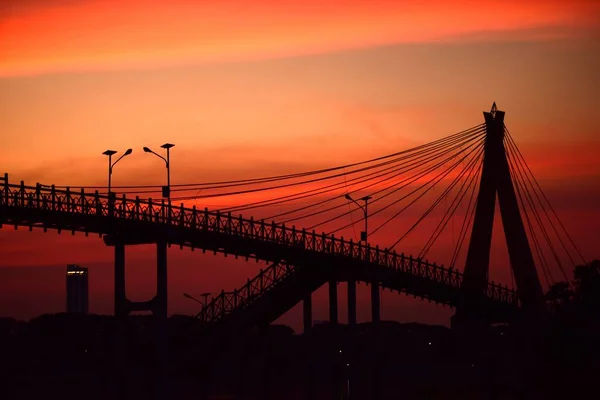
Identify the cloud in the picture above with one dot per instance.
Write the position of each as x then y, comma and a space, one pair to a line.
106, 34
567, 160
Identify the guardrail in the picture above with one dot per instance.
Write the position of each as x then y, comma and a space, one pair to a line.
226, 302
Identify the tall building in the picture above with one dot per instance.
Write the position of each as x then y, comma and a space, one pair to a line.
77, 289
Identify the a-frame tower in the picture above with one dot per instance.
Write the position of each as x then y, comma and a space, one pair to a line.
496, 178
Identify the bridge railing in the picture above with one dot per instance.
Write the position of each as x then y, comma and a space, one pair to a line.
227, 302
96, 204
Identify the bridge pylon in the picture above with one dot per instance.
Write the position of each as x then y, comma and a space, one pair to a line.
496, 180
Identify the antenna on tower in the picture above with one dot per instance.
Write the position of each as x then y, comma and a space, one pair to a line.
493, 110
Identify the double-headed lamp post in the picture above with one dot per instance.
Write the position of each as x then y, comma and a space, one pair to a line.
110, 153
166, 189
205, 295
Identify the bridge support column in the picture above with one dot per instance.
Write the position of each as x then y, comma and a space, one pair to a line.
376, 369
307, 312
333, 303
158, 304
121, 312
351, 302
120, 297
158, 307
375, 303
159, 310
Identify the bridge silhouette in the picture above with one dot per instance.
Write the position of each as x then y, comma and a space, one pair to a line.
303, 260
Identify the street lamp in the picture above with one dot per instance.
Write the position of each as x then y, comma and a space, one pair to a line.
166, 190
110, 153
205, 295
375, 297
363, 235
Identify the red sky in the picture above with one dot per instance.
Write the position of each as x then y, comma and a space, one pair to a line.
247, 89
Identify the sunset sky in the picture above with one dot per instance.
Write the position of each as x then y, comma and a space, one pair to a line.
255, 88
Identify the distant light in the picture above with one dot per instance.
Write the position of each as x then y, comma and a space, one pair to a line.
501, 333
76, 272
347, 365
430, 343
472, 365
340, 351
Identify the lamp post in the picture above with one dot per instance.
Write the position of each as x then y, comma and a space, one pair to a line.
375, 300
203, 304
166, 189
160, 306
110, 153
363, 235
205, 295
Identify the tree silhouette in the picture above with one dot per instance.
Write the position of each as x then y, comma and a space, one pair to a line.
582, 297
587, 286
559, 295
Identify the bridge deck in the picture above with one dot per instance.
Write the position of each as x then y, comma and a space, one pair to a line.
149, 221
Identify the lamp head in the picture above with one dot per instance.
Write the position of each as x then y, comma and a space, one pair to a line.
167, 146
109, 152
347, 196
366, 198
147, 150
128, 152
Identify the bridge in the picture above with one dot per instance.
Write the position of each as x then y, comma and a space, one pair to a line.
135, 221
302, 260
482, 164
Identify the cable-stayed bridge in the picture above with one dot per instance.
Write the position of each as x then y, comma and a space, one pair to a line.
296, 223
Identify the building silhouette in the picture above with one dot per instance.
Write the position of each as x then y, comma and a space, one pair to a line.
77, 289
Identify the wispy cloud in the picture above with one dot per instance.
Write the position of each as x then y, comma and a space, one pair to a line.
44, 37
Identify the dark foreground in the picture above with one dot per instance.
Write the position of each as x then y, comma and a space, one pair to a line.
71, 356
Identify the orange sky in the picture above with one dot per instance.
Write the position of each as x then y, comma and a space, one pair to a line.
98, 34
247, 89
